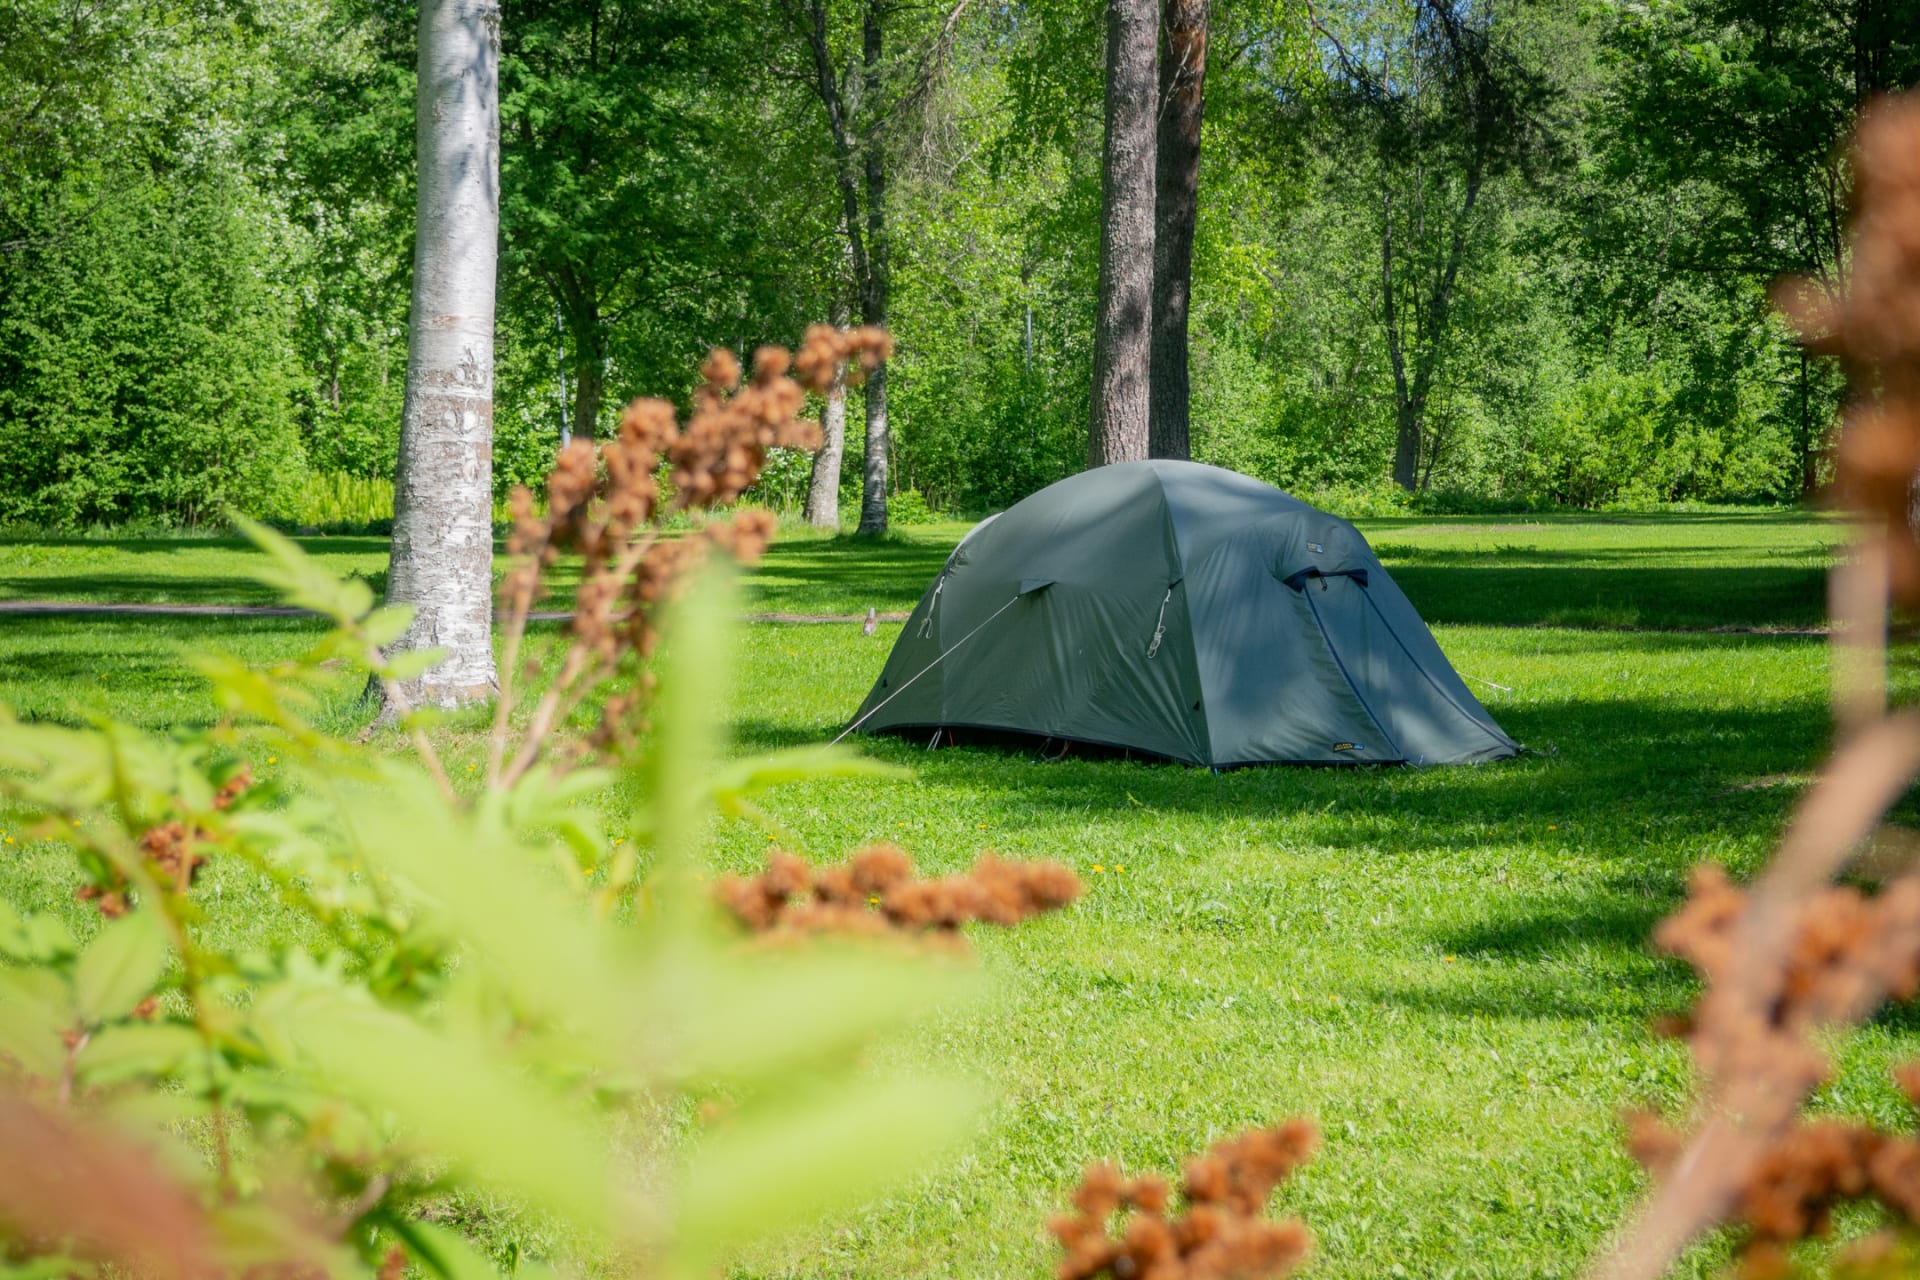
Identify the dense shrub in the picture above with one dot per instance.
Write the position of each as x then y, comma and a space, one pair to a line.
145, 363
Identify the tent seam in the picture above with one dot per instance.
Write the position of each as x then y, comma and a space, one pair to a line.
1339, 663
1186, 597
1500, 738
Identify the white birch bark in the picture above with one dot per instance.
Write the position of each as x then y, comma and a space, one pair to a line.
823, 486
443, 487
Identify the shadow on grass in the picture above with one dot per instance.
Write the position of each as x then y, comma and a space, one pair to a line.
1480, 591
64, 669
1603, 588
1517, 586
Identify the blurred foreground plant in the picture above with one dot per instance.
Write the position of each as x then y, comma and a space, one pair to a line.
478, 995
1792, 960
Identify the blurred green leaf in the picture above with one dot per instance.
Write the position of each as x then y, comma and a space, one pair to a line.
412, 663
385, 625
528, 932
744, 779
456, 1096
36, 1010
730, 1014
687, 716
445, 1253
49, 939
120, 966
303, 582
135, 1049
775, 1168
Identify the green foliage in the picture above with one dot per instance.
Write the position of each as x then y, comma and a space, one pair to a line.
474, 994
205, 240
144, 366
909, 506
341, 498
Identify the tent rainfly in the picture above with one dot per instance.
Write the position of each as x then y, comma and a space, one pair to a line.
1182, 611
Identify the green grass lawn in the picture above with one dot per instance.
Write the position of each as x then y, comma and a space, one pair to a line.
1738, 569
1446, 968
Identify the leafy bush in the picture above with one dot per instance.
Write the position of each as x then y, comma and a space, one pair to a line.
909, 506
145, 366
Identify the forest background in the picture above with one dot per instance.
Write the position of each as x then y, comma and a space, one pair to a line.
206, 222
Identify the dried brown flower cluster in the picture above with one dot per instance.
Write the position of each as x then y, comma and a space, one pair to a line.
1801, 1177
1850, 949
1220, 1234
1874, 328
876, 892
169, 850
1775, 1175
606, 503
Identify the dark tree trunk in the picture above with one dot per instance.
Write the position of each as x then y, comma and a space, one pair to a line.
1183, 73
1809, 441
1122, 344
1431, 315
589, 383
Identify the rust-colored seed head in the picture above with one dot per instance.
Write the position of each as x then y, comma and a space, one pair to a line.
1220, 1234
845, 897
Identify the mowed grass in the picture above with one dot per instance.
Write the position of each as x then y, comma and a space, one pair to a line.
1446, 968
1737, 569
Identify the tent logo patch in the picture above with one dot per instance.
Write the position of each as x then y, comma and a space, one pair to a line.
1316, 548
1347, 746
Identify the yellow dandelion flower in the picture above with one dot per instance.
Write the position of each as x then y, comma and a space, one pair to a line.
273, 759
1448, 959
9, 839
873, 899
1552, 827
1118, 868
981, 825
1098, 869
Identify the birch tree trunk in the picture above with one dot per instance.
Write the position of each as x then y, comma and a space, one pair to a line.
1183, 77
1117, 430
873, 484
823, 487
443, 484
879, 285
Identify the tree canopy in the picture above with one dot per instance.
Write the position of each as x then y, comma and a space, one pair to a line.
1506, 253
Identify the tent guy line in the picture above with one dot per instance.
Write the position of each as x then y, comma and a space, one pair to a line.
930, 666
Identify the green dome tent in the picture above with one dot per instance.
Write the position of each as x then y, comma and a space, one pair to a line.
1183, 611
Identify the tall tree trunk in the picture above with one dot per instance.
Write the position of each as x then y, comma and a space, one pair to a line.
1406, 415
1430, 330
443, 483
873, 485
878, 290
1122, 346
823, 486
1183, 74
589, 384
